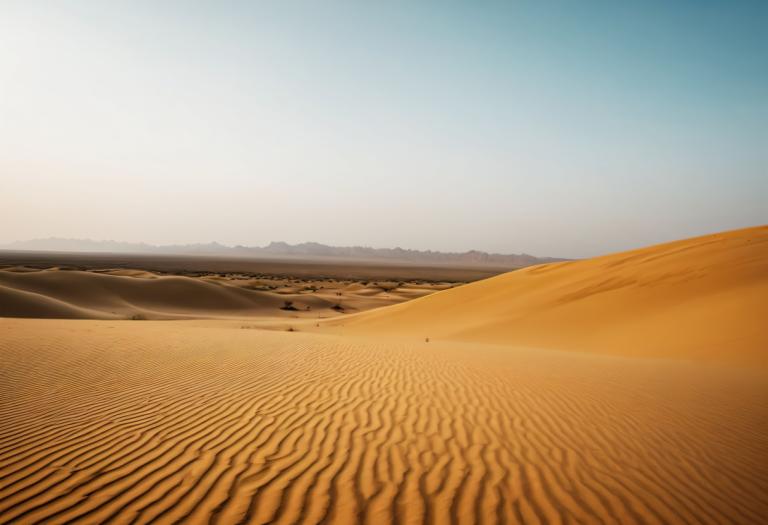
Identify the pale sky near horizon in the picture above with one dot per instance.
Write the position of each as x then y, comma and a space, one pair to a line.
567, 129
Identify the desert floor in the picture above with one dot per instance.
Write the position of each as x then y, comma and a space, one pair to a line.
483, 403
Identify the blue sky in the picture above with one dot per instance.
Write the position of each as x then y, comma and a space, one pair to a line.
567, 129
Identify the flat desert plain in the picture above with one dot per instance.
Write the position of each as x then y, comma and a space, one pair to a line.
629, 388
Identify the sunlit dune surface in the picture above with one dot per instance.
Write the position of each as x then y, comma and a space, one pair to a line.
103, 421
705, 297
616, 390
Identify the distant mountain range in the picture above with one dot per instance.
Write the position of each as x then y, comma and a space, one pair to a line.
282, 249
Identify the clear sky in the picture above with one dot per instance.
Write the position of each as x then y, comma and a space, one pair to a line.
554, 128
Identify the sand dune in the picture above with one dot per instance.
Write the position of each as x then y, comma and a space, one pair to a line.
203, 421
121, 294
98, 296
705, 297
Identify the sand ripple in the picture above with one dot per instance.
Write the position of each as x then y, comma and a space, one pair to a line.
130, 422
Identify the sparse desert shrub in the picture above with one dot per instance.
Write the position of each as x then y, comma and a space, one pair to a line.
337, 307
288, 305
138, 317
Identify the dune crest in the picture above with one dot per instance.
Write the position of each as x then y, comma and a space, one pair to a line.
705, 297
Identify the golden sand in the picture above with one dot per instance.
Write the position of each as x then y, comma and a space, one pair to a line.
362, 421
701, 298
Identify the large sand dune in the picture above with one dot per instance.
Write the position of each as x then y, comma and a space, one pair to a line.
705, 297
202, 421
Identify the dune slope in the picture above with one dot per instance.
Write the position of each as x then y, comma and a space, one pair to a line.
87, 295
705, 297
56, 293
203, 422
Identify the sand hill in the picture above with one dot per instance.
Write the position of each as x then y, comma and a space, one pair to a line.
203, 421
83, 295
131, 294
705, 297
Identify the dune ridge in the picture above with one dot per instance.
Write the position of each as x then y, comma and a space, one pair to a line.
705, 297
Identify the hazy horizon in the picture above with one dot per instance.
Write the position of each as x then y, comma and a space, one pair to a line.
19, 244
562, 130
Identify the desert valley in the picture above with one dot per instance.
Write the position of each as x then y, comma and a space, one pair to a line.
629, 388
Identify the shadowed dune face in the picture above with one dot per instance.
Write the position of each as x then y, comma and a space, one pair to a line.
111, 296
121, 294
204, 422
705, 297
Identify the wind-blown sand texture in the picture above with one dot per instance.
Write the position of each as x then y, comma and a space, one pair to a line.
200, 421
176, 421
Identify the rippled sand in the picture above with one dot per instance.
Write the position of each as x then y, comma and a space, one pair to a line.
631, 388
206, 422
